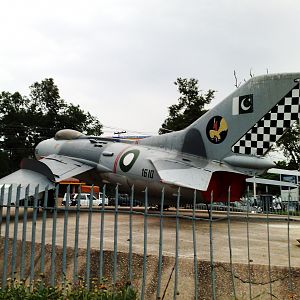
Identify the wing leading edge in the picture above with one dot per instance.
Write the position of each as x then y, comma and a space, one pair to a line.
44, 173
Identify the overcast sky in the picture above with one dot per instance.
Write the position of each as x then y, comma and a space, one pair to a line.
119, 59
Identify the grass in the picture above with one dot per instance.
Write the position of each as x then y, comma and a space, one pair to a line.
18, 290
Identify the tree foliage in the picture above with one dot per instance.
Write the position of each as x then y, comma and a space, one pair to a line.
190, 105
27, 120
290, 144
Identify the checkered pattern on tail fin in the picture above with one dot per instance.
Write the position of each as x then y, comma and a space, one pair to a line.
269, 129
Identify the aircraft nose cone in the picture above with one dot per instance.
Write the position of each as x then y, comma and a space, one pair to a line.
46, 148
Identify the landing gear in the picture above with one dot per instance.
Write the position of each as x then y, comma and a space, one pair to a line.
208, 210
165, 207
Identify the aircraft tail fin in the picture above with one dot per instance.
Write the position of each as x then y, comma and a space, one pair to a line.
249, 121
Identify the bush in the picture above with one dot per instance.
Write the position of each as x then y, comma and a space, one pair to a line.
17, 290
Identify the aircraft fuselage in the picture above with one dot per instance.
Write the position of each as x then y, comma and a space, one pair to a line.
130, 164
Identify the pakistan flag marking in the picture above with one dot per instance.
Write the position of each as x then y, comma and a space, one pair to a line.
128, 159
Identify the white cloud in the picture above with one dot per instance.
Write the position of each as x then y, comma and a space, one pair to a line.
119, 59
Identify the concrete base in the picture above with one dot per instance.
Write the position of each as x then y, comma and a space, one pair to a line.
259, 274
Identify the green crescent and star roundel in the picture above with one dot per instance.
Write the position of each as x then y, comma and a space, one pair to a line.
128, 159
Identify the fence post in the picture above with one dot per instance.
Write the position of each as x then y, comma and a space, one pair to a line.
101, 259
1, 205
6, 238
33, 231
160, 243
65, 237
116, 237
53, 249
145, 245
195, 246
269, 250
177, 245
229, 241
24, 233
290, 287
75, 273
43, 238
14, 247
248, 245
130, 235
88, 241
212, 266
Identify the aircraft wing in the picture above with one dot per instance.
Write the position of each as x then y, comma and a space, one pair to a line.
183, 175
24, 178
63, 167
46, 172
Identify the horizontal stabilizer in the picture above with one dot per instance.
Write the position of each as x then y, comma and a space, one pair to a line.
183, 175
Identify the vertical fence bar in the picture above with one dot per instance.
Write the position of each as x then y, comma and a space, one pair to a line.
88, 240
145, 245
65, 236
6, 239
269, 250
176, 246
75, 273
160, 249
212, 266
24, 232
116, 237
1, 205
53, 248
14, 246
130, 235
101, 262
43, 238
290, 286
195, 247
248, 246
33, 231
229, 241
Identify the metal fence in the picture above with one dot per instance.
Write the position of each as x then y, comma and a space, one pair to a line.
209, 251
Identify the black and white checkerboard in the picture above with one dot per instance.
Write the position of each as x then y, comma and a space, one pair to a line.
271, 127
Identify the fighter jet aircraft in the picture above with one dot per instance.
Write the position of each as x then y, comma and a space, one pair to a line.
218, 150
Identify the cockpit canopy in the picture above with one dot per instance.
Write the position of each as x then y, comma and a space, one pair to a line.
68, 134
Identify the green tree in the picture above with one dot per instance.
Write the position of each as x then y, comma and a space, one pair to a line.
290, 144
190, 105
25, 121
4, 164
